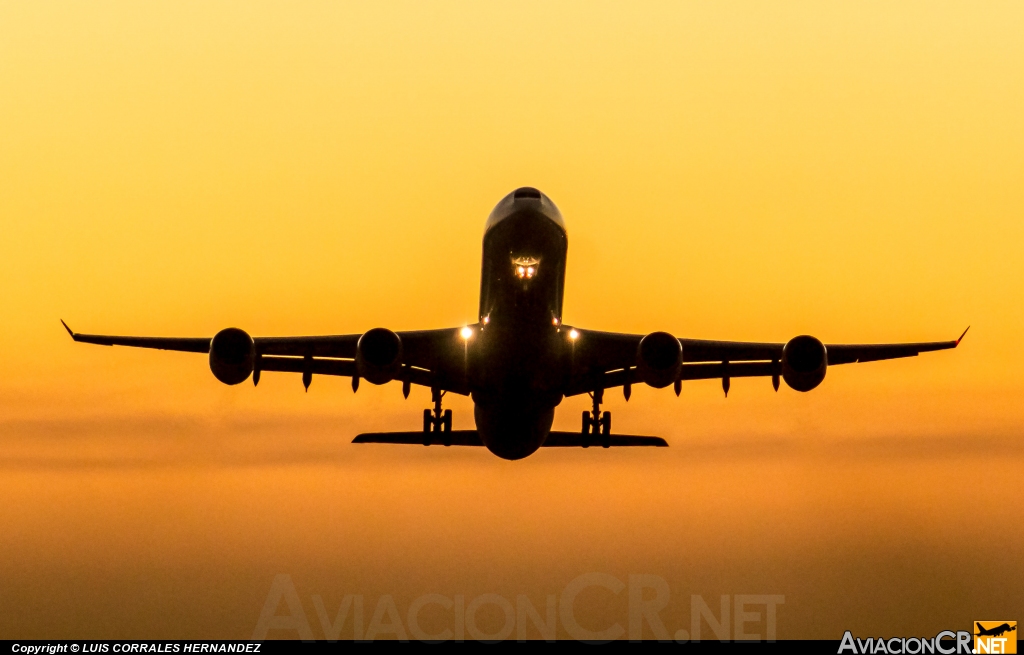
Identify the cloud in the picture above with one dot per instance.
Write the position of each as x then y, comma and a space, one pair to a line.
154, 441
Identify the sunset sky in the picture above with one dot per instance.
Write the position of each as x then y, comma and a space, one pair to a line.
730, 170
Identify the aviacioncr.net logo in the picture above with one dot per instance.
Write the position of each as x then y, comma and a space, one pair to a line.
946, 642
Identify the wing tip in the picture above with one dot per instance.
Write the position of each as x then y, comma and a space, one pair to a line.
70, 331
961, 337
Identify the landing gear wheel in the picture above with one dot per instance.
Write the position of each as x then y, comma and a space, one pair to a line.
586, 423
606, 429
435, 420
593, 423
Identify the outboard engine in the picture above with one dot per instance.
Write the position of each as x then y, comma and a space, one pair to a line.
804, 361
379, 355
658, 359
232, 353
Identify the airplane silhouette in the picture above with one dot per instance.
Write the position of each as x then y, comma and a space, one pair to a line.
993, 632
519, 360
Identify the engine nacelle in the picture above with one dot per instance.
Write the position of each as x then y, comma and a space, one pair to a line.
379, 355
804, 362
232, 353
658, 359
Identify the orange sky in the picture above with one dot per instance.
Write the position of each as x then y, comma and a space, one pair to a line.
727, 170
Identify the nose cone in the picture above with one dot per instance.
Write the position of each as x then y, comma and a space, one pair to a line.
525, 199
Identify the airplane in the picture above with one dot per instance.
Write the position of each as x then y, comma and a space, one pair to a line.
993, 632
519, 360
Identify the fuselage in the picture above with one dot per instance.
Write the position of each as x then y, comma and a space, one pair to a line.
518, 363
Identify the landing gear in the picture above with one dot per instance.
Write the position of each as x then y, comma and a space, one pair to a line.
437, 420
602, 426
595, 423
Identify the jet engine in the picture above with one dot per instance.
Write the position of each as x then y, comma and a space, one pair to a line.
231, 356
379, 355
658, 359
804, 361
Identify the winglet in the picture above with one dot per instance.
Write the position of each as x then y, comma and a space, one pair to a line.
957, 341
68, 329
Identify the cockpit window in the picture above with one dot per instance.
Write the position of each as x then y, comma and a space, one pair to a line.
526, 192
525, 267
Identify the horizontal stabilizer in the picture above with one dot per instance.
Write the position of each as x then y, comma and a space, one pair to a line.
472, 438
575, 439
453, 438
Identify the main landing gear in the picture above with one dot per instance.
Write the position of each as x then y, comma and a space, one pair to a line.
594, 422
435, 420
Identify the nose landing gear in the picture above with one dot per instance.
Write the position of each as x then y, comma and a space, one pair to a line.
595, 423
436, 420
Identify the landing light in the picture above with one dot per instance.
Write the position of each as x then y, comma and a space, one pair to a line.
466, 332
573, 334
525, 267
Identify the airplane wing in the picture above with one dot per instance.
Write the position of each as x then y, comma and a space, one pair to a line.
431, 358
602, 360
